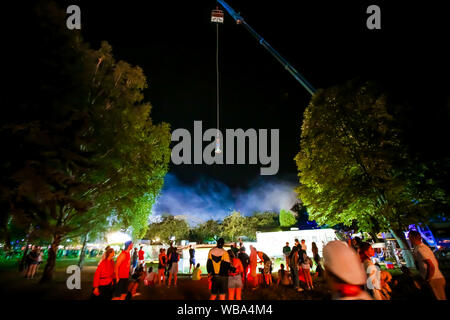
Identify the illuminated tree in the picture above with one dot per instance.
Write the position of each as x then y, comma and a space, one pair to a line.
353, 164
287, 218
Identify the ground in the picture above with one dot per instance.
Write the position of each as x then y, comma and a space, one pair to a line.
14, 285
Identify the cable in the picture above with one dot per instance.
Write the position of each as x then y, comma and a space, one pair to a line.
217, 75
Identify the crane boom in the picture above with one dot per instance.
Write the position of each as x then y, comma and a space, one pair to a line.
239, 20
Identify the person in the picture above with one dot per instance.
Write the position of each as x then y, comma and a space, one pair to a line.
104, 277
218, 265
317, 260
241, 244
235, 277
122, 272
303, 245
141, 256
356, 242
427, 265
150, 279
191, 258
245, 260
173, 258
196, 273
267, 270
283, 277
297, 243
138, 276
40, 258
306, 268
293, 261
286, 252
162, 264
169, 264
135, 259
235, 249
253, 264
104, 254
366, 252
344, 272
385, 288
33, 257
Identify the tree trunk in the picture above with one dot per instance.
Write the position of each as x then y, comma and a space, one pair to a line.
47, 276
83, 252
24, 256
406, 250
374, 236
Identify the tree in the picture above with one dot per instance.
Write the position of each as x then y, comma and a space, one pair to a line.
169, 227
353, 164
287, 218
82, 146
234, 225
263, 222
210, 230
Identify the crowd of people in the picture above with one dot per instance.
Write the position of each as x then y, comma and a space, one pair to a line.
348, 269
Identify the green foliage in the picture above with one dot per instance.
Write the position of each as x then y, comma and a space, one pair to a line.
287, 218
83, 153
353, 164
208, 231
234, 225
170, 226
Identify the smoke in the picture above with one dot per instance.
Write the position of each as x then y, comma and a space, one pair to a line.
212, 199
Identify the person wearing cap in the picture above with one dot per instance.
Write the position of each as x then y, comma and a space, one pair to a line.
122, 272
218, 266
344, 272
427, 265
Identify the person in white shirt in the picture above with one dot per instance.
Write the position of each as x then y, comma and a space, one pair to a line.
151, 277
427, 265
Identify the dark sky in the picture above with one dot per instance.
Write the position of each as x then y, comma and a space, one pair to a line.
327, 41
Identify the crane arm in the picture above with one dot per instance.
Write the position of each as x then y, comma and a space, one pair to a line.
239, 20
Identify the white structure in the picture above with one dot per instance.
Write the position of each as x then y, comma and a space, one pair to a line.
272, 243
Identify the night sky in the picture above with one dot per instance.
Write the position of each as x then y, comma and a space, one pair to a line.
326, 41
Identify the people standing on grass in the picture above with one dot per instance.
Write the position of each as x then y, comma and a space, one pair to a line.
197, 273
317, 260
122, 272
303, 244
162, 264
235, 277
33, 257
286, 252
141, 256
191, 258
134, 260
245, 260
306, 269
427, 265
169, 251
40, 258
253, 265
366, 252
218, 265
267, 270
344, 272
173, 258
104, 277
283, 277
293, 265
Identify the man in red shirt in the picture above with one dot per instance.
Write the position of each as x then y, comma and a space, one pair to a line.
122, 271
141, 255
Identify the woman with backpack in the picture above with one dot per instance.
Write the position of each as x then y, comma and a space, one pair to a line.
173, 258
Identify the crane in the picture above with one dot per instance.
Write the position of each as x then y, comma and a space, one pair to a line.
239, 20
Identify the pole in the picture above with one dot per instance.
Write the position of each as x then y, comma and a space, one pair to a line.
239, 20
